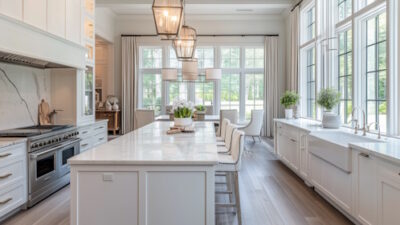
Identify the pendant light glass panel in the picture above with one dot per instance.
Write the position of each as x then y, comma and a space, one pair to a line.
168, 16
185, 44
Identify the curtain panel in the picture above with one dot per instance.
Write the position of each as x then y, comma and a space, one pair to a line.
293, 64
129, 83
271, 96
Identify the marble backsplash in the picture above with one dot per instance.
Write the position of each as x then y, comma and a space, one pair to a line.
21, 90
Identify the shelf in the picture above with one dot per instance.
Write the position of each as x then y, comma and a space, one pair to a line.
89, 7
89, 28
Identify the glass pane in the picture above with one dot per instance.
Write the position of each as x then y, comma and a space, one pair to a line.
349, 110
349, 87
349, 6
382, 27
371, 112
341, 43
382, 55
371, 58
382, 85
230, 57
341, 11
341, 65
349, 40
349, 64
371, 34
254, 93
382, 116
342, 88
152, 92
151, 57
371, 86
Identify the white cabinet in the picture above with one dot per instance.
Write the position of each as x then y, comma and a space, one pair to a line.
74, 21
13, 178
303, 154
11, 8
365, 187
35, 13
93, 135
388, 193
56, 17
288, 147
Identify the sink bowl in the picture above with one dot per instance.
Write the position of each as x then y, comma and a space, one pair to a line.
333, 147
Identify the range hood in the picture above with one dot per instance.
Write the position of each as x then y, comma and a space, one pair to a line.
24, 44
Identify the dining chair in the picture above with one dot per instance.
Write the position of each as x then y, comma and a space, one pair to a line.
253, 128
230, 114
143, 117
229, 166
209, 110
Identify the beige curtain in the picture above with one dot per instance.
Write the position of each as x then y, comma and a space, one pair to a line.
271, 99
129, 85
292, 81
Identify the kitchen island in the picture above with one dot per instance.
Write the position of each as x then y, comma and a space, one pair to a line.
147, 177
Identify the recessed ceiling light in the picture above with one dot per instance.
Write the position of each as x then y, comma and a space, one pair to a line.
244, 10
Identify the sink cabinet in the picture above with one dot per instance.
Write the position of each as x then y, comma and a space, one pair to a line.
288, 146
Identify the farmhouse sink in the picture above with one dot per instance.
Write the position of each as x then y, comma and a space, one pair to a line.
333, 147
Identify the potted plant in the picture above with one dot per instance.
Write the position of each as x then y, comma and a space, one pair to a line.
288, 100
328, 99
183, 111
200, 112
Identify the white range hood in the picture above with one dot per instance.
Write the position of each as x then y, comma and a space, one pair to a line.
23, 44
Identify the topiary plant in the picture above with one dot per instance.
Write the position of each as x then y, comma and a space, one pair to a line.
289, 99
328, 98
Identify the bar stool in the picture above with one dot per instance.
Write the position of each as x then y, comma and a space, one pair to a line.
225, 147
225, 122
229, 165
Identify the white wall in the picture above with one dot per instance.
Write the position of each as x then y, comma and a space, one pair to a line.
105, 23
205, 25
32, 84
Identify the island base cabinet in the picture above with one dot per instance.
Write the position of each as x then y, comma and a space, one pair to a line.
333, 182
388, 194
144, 195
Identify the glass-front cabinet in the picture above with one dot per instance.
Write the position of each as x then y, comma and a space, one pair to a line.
88, 101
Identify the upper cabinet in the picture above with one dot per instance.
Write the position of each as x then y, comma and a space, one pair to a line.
35, 13
11, 8
63, 18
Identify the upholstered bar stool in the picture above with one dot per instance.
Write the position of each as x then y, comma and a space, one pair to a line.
225, 147
143, 117
224, 123
229, 164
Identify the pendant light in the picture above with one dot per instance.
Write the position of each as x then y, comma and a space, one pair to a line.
190, 71
169, 74
185, 44
168, 17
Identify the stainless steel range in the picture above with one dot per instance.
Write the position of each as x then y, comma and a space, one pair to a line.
49, 148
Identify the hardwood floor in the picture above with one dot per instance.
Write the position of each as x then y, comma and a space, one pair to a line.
270, 194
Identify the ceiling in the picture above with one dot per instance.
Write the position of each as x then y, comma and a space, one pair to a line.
202, 7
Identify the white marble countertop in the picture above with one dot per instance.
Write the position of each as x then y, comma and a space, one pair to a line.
150, 145
5, 141
214, 118
388, 149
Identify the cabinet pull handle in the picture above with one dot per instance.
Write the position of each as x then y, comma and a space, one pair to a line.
364, 155
293, 140
84, 132
5, 155
5, 201
100, 139
99, 128
84, 145
5, 176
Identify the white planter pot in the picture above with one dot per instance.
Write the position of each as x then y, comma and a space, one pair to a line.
330, 120
183, 122
288, 113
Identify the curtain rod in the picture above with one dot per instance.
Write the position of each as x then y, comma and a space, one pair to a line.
296, 5
207, 35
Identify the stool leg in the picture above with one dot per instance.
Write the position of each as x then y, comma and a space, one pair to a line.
237, 198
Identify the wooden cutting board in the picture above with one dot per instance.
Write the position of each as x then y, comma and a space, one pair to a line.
44, 113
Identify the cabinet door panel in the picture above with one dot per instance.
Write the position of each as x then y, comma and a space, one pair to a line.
56, 17
11, 8
74, 21
388, 195
35, 13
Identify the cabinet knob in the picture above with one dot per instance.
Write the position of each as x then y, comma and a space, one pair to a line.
5, 155
364, 155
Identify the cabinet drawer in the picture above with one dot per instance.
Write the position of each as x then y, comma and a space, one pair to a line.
100, 128
11, 198
12, 172
10, 153
99, 139
288, 131
85, 132
86, 144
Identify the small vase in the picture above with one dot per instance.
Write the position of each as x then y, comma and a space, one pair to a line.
182, 122
288, 114
331, 120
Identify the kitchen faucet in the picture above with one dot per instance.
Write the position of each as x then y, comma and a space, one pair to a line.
356, 120
379, 128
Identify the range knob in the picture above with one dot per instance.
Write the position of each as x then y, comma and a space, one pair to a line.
40, 144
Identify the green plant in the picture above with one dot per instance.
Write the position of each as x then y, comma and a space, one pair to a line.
200, 108
183, 112
289, 99
328, 98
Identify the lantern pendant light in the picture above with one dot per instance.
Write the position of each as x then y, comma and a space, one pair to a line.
185, 44
168, 17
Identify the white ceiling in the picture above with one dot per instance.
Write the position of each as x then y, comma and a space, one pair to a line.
202, 7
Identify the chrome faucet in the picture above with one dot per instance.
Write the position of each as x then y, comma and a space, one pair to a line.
364, 128
379, 128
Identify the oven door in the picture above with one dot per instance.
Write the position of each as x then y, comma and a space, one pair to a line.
64, 154
44, 165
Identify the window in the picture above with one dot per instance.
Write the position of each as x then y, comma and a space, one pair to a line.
151, 57
311, 83
254, 58
344, 9
345, 75
230, 57
310, 26
376, 71
205, 57
230, 91
151, 86
204, 93
177, 90
254, 93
